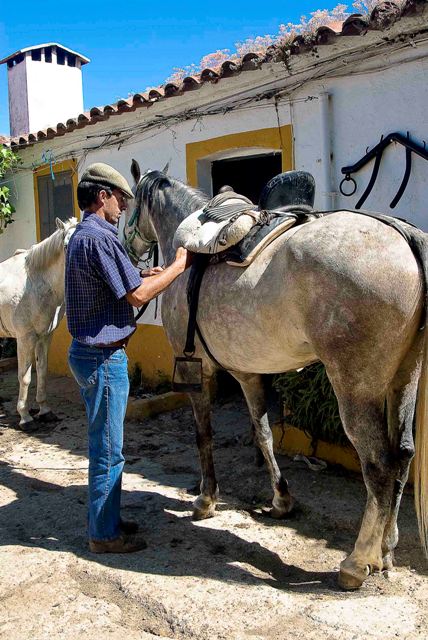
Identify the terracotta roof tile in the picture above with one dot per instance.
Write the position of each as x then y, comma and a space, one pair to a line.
383, 16
229, 68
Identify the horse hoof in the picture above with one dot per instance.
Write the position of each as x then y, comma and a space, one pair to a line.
47, 417
282, 507
352, 580
29, 426
203, 508
388, 562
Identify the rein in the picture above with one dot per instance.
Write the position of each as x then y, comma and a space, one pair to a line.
153, 251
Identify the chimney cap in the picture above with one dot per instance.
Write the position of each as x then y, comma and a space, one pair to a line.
83, 59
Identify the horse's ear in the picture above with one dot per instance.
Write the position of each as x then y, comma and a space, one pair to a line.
59, 224
165, 169
135, 171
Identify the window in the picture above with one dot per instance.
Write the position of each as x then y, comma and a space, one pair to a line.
60, 56
48, 54
71, 60
56, 200
36, 55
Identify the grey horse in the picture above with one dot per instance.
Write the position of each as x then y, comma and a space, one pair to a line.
345, 290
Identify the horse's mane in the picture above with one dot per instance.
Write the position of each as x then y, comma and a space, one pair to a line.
188, 198
40, 255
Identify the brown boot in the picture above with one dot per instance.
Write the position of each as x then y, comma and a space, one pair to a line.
124, 543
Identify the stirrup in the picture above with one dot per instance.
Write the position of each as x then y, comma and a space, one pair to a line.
187, 374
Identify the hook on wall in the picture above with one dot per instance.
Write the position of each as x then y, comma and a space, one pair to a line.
376, 152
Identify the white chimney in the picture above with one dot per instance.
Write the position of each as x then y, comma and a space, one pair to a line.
45, 87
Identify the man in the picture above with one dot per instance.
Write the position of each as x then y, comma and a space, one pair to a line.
101, 287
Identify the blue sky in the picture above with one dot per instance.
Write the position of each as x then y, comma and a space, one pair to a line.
133, 45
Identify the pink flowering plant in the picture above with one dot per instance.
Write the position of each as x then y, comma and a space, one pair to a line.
307, 27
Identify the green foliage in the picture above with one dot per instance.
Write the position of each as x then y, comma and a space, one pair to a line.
311, 404
8, 161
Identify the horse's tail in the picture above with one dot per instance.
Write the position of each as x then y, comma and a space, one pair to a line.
421, 445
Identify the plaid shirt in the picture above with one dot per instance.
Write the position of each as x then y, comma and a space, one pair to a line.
98, 275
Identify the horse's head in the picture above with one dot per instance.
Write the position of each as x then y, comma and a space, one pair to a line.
67, 228
139, 231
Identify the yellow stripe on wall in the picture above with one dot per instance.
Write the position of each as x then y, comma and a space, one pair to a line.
148, 347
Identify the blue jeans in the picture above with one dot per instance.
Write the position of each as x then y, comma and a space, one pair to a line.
102, 375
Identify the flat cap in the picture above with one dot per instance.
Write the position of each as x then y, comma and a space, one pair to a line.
104, 174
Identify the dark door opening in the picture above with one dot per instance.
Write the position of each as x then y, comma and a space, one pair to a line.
247, 175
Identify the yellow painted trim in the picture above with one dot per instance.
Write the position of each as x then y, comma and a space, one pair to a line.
275, 138
148, 347
291, 441
44, 170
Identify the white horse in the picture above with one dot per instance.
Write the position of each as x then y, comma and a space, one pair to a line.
32, 306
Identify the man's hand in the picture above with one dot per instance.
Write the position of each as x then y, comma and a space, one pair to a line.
183, 258
151, 287
150, 272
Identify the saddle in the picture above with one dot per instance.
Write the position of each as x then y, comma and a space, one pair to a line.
232, 229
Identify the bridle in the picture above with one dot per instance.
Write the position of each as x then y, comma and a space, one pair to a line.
135, 232
153, 250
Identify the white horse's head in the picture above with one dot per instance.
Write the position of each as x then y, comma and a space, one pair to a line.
67, 227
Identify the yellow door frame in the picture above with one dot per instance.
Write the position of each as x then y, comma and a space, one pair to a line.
280, 138
45, 170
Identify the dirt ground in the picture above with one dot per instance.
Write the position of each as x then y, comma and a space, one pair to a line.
238, 575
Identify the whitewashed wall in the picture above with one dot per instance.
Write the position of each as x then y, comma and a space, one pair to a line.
362, 108
21, 234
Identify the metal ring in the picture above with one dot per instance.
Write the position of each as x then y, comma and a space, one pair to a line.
348, 178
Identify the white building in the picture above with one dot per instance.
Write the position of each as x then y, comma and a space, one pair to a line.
318, 107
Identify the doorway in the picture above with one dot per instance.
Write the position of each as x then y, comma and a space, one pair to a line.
247, 175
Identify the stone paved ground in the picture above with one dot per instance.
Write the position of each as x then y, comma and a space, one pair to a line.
235, 576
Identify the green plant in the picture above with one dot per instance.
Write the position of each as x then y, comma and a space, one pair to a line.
8, 161
310, 403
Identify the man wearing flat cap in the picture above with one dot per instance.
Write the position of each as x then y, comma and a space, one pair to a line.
101, 287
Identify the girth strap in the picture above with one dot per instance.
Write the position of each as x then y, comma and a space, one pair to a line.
197, 270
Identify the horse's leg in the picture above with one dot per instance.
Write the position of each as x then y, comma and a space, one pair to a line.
252, 387
401, 403
365, 424
41, 351
25, 352
205, 503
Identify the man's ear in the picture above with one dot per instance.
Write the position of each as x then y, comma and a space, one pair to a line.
102, 196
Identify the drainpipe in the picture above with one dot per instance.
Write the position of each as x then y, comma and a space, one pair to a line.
327, 195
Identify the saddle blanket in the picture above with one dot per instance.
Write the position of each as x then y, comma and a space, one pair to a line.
201, 234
